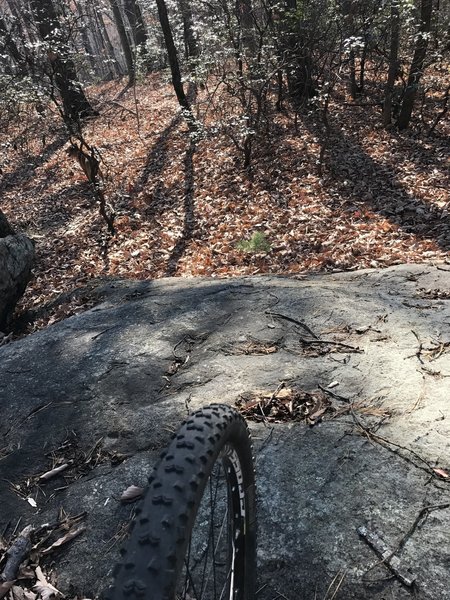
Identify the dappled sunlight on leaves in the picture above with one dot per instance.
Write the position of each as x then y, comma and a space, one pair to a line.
381, 200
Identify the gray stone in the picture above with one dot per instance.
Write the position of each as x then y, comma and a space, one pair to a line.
125, 373
5, 227
16, 261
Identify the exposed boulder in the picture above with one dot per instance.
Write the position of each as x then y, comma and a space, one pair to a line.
5, 227
103, 391
16, 261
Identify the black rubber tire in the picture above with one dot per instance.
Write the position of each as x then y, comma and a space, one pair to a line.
153, 559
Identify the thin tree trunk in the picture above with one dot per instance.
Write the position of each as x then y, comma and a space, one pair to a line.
109, 46
190, 40
19, 18
25, 34
416, 70
138, 29
108, 60
102, 52
353, 84
10, 44
244, 12
84, 31
348, 13
393, 64
362, 68
297, 54
173, 57
124, 41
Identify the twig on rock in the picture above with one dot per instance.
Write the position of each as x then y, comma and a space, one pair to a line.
292, 320
388, 557
16, 554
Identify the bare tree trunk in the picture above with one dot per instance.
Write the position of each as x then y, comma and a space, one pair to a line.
297, 53
393, 63
102, 52
416, 70
63, 73
173, 59
190, 40
108, 43
124, 41
348, 12
19, 17
362, 68
84, 31
244, 13
10, 45
105, 52
353, 84
138, 29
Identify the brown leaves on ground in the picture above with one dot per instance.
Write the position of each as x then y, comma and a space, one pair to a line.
285, 404
22, 577
183, 210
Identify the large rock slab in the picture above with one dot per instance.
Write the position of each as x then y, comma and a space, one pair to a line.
115, 382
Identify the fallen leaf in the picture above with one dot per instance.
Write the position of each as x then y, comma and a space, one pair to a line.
5, 586
43, 588
441, 473
131, 494
20, 593
70, 535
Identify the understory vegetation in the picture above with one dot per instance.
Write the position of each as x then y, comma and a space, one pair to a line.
220, 139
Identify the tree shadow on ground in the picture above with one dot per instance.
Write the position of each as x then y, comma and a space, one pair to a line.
189, 218
60, 208
415, 145
433, 152
157, 156
359, 178
25, 170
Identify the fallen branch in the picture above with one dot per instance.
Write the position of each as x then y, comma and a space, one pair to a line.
334, 395
389, 558
332, 343
54, 472
423, 514
388, 444
292, 320
16, 554
418, 353
335, 585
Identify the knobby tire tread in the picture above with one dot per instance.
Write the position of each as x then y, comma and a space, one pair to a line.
153, 557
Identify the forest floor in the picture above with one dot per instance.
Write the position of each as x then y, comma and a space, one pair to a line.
184, 209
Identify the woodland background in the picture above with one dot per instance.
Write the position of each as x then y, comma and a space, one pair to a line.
221, 138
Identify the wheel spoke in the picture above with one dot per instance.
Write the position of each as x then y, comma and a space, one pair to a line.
211, 573
204, 485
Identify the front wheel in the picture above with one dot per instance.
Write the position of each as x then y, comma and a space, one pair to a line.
194, 537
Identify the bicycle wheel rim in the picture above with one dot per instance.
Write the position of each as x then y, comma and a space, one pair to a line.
154, 558
218, 570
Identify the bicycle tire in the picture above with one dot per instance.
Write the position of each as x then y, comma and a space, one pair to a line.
155, 556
